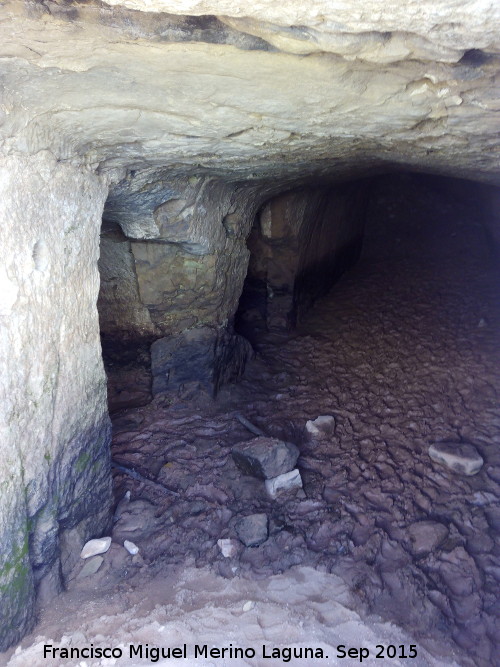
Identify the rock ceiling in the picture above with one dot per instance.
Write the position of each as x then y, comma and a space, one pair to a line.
253, 90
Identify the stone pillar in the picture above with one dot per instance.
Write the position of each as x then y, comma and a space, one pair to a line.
303, 241
174, 283
55, 487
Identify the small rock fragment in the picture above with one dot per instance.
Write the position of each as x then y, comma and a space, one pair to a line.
323, 425
90, 567
131, 547
253, 529
249, 605
286, 482
265, 457
426, 536
227, 547
458, 456
94, 547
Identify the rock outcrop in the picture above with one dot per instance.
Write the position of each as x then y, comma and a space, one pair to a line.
55, 487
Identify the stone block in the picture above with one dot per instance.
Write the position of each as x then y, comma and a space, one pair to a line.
289, 481
204, 355
265, 457
321, 426
460, 457
228, 547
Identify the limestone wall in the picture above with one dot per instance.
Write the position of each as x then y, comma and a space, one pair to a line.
54, 466
172, 269
182, 255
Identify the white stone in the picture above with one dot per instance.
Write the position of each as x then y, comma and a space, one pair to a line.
323, 425
97, 546
286, 482
131, 547
227, 547
249, 605
459, 457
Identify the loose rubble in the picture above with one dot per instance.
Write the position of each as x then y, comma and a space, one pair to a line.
227, 547
91, 566
426, 537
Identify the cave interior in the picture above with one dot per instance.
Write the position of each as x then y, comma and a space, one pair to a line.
249, 328
373, 301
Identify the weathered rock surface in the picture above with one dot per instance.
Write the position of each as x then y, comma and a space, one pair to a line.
253, 529
202, 356
458, 456
54, 470
265, 457
421, 75
195, 120
301, 242
91, 566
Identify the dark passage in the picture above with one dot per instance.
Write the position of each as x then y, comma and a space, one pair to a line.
403, 353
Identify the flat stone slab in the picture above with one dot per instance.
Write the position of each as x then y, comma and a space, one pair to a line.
460, 457
289, 481
265, 458
94, 547
253, 530
91, 566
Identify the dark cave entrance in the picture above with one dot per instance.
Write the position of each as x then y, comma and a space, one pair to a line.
301, 243
297, 257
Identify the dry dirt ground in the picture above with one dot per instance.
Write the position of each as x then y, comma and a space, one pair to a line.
404, 352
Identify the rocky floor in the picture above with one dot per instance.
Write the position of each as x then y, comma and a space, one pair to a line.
403, 353
417, 543
279, 618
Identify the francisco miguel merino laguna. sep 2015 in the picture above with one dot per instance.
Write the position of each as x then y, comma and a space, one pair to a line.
156, 653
